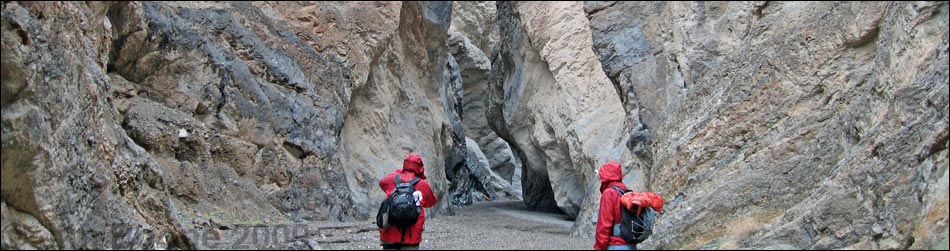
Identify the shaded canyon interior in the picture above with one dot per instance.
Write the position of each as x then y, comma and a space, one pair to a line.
794, 125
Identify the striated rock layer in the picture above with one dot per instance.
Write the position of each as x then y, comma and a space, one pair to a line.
787, 124
127, 125
473, 24
766, 125
550, 99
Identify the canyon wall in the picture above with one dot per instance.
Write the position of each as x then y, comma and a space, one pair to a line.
793, 125
127, 124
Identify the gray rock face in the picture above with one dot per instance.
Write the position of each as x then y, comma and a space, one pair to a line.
475, 66
765, 125
551, 101
476, 20
775, 124
409, 104
489, 184
71, 177
126, 125
241, 91
648, 82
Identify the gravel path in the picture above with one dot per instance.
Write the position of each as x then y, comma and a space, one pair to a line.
501, 225
484, 225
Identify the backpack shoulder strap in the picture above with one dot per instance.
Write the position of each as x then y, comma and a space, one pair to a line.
618, 219
397, 179
618, 190
414, 181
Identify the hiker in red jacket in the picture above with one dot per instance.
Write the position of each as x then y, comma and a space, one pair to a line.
391, 237
609, 214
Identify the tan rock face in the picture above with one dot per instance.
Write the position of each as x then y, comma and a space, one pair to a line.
476, 20
552, 102
787, 125
71, 177
127, 125
475, 66
794, 125
23, 230
403, 108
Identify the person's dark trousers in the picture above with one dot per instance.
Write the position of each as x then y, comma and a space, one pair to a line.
397, 246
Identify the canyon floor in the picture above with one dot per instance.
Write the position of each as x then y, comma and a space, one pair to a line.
483, 225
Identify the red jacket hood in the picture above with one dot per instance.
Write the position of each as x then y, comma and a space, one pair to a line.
610, 173
413, 164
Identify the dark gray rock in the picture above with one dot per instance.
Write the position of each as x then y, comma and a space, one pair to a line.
767, 125
475, 66
71, 177
504, 83
128, 125
782, 124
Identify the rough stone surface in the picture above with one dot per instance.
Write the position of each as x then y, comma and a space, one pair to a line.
127, 125
476, 20
550, 99
71, 177
765, 125
787, 124
475, 66
489, 184
21, 230
404, 107
471, 36
263, 104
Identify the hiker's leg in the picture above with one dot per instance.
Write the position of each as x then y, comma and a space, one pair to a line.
410, 247
389, 246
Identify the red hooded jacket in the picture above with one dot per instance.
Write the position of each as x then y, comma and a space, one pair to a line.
609, 214
411, 167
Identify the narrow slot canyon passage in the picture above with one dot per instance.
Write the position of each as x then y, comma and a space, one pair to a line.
264, 125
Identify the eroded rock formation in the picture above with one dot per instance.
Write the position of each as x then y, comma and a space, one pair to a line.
127, 124
764, 124
787, 124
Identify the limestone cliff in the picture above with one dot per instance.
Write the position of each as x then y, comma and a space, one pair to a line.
787, 124
125, 125
793, 125
764, 124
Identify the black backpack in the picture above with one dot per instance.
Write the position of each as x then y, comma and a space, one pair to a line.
400, 208
634, 228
